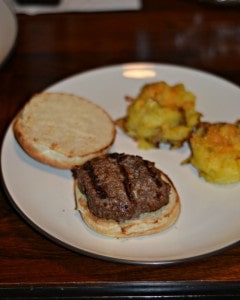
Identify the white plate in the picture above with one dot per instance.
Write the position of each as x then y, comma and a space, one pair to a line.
8, 30
209, 219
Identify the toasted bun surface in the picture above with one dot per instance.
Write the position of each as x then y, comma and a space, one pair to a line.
146, 224
63, 130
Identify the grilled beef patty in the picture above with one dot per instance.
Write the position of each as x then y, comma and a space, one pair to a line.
121, 186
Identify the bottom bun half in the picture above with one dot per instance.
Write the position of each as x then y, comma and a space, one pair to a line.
145, 224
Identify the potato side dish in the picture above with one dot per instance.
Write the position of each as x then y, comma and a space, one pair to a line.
216, 152
161, 114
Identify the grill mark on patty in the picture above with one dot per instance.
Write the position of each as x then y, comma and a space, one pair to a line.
127, 181
153, 173
123, 170
95, 180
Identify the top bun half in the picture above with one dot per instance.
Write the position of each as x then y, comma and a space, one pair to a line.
63, 130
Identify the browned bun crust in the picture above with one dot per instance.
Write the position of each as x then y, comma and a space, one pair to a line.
145, 224
63, 130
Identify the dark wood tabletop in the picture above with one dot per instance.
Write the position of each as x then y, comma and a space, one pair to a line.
52, 47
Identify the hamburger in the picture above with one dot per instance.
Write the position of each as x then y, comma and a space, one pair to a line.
122, 195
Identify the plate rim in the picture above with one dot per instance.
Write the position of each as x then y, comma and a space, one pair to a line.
143, 63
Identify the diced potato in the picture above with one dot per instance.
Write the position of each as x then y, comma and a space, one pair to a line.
161, 114
216, 152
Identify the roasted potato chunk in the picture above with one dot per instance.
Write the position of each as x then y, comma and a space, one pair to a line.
161, 114
216, 152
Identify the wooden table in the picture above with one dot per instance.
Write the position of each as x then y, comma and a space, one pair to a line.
52, 47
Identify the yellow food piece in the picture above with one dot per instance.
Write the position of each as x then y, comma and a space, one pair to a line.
161, 114
216, 152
